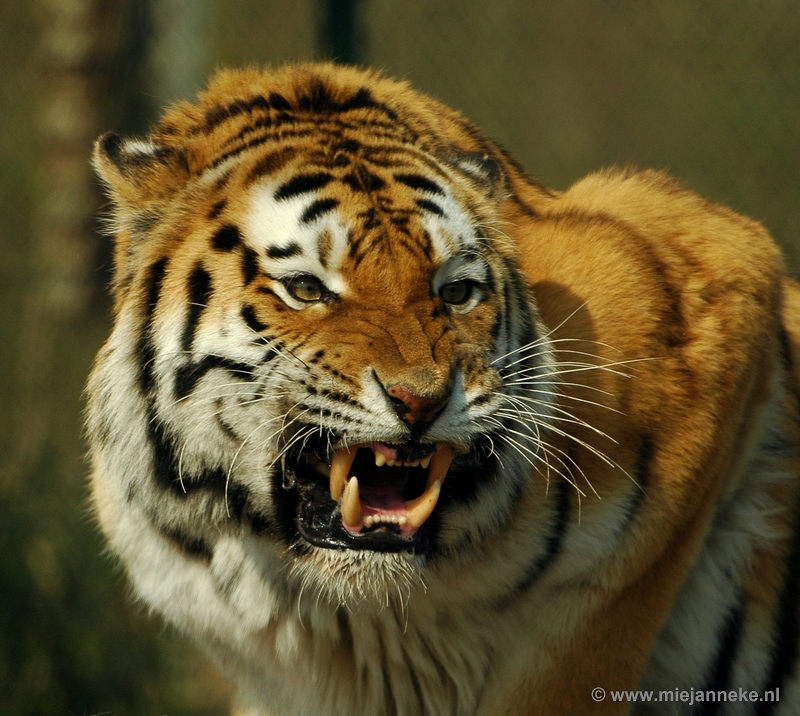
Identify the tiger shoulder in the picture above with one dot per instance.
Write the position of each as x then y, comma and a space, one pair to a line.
388, 427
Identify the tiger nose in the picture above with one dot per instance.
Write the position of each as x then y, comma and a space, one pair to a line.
413, 408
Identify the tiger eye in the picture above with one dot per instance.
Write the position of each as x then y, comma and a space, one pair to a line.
456, 293
305, 288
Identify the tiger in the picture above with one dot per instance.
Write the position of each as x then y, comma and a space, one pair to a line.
388, 427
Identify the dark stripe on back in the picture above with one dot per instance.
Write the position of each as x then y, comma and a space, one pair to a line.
553, 545
302, 184
227, 238
317, 209
719, 678
200, 291
284, 252
419, 182
786, 627
431, 206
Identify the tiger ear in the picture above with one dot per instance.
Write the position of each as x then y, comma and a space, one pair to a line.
481, 169
138, 172
140, 177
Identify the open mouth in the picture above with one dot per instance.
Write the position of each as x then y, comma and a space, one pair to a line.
371, 495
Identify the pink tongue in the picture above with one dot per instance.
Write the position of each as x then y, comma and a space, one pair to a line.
382, 496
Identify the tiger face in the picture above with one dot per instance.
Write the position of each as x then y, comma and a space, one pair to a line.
332, 333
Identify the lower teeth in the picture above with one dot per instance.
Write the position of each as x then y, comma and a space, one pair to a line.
371, 520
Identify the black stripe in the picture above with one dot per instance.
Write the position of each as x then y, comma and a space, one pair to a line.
319, 100
719, 677
371, 218
508, 310
250, 267
786, 350
165, 462
421, 183
227, 238
431, 206
183, 484
165, 471
302, 184
217, 209
284, 252
787, 628
317, 209
248, 313
200, 291
260, 523
192, 546
239, 150
271, 163
363, 99
363, 180
346, 145
644, 456
146, 349
218, 114
187, 376
278, 101
553, 545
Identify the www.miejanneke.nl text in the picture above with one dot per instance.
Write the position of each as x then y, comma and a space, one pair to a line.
688, 697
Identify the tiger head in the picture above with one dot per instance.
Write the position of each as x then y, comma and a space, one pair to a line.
321, 330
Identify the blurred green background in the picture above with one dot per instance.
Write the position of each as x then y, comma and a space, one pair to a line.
707, 90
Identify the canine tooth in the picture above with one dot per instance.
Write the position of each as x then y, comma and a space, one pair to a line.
351, 504
420, 509
425, 461
380, 459
440, 464
341, 463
